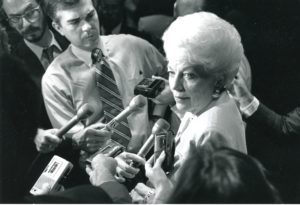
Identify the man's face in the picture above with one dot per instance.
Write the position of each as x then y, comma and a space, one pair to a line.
26, 17
79, 24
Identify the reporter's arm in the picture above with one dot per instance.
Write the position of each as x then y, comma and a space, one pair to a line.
279, 125
260, 115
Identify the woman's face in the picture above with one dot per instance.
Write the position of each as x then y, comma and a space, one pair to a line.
191, 89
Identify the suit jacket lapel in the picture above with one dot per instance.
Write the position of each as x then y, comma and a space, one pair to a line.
33, 66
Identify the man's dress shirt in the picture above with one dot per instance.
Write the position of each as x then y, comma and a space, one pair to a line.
69, 82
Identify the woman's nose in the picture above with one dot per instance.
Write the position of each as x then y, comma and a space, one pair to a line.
177, 84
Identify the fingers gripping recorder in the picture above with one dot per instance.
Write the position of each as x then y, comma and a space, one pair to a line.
58, 168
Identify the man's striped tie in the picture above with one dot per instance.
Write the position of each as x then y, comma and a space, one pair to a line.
110, 97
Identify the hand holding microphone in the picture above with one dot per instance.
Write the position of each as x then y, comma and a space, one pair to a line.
127, 162
46, 141
136, 103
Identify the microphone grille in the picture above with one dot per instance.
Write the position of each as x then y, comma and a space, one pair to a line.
84, 112
160, 125
138, 101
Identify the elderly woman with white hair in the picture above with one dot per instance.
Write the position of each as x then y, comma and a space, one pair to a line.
204, 53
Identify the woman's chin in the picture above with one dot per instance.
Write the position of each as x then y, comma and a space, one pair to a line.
182, 108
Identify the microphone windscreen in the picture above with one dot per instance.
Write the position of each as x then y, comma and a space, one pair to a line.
160, 125
138, 101
84, 112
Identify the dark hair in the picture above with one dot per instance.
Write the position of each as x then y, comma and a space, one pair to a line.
50, 7
222, 175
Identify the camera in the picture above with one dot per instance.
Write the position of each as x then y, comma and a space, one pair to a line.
149, 87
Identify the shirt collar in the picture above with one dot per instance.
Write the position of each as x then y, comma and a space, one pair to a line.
85, 56
38, 50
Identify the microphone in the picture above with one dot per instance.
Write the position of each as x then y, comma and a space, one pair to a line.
84, 112
137, 102
161, 126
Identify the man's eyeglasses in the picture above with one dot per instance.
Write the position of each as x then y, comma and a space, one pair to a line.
30, 15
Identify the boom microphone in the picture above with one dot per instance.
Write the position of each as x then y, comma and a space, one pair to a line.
84, 112
137, 102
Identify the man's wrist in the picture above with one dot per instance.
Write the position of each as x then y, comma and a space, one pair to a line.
104, 176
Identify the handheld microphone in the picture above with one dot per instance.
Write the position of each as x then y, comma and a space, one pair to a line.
84, 112
161, 125
137, 102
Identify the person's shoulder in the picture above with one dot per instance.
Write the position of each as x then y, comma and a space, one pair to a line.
224, 108
58, 65
61, 61
127, 41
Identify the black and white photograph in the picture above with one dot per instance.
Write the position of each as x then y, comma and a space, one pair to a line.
150, 101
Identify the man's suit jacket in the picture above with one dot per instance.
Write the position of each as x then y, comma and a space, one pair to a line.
19, 98
278, 125
108, 192
35, 70
85, 194
274, 139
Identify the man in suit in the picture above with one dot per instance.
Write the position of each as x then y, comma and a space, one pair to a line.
39, 46
27, 17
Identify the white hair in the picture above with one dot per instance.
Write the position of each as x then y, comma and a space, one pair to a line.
206, 41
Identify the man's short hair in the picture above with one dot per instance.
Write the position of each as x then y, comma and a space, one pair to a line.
50, 7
